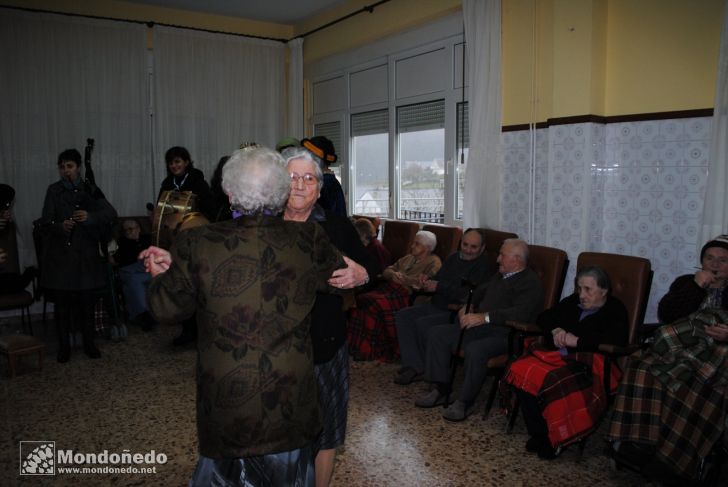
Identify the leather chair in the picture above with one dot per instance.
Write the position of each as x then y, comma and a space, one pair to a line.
493, 241
376, 221
448, 239
398, 237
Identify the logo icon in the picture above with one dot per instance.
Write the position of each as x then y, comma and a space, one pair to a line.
37, 458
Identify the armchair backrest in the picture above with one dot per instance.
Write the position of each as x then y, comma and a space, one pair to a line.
551, 265
493, 241
9, 243
448, 239
376, 221
631, 281
398, 237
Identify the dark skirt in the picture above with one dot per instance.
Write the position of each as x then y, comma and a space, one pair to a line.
291, 468
333, 383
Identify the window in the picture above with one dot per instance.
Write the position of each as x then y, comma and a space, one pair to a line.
421, 161
462, 143
370, 161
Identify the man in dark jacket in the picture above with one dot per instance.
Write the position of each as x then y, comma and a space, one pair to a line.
514, 293
450, 286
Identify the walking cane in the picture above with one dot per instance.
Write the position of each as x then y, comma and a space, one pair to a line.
454, 358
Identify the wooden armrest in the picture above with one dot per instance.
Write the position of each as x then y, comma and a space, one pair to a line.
618, 350
529, 328
454, 306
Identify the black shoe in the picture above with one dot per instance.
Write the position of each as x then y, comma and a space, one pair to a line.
546, 451
64, 355
183, 339
144, 321
534, 443
91, 351
408, 377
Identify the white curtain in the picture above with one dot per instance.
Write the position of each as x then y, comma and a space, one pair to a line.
715, 210
483, 173
65, 79
294, 122
211, 93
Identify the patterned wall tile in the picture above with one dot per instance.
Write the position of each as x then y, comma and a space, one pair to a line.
634, 188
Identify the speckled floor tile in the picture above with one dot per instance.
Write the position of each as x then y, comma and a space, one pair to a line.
140, 396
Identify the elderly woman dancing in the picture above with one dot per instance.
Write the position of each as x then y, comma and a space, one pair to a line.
670, 410
372, 331
328, 318
560, 385
252, 282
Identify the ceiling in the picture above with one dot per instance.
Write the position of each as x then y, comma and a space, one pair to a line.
278, 11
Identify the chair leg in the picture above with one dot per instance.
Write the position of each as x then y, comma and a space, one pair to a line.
513, 415
492, 394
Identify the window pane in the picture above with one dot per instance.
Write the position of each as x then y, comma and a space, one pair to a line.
371, 179
422, 175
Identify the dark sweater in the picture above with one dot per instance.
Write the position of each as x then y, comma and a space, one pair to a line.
683, 298
450, 287
608, 325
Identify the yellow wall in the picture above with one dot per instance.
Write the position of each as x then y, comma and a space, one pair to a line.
663, 55
608, 57
560, 57
387, 19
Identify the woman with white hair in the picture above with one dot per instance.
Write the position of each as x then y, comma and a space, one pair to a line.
372, 331
328, 318
252, 282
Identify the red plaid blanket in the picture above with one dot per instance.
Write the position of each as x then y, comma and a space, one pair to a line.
371, 330
570, 390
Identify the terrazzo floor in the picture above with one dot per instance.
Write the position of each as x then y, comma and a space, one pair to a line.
140, 396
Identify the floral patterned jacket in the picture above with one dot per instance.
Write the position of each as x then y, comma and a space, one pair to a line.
252, 282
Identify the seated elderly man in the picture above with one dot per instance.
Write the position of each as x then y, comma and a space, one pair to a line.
450, 286
134, 278
513, 293
252, 282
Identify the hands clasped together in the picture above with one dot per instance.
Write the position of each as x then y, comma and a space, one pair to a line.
157, 261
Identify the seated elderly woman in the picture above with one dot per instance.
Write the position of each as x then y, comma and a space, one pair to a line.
372, 333
559, 382
670, 409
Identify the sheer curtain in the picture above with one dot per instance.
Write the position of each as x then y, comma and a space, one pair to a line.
66, 79
483, 173
294, 122
211, 93
715, 210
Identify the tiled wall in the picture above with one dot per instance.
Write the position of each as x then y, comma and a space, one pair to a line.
632, 188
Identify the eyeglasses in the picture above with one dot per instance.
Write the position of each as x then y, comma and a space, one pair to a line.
308, 179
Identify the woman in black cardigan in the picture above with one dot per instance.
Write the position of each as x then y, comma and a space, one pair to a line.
560, 382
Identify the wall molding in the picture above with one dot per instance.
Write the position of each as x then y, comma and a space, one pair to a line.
636, 117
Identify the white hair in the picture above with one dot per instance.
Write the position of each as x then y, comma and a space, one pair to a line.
256, 180
428, 239
292, 153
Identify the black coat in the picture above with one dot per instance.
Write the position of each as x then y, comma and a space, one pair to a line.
328, 317
73, 262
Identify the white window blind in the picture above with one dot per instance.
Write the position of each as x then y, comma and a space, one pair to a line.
370, 123
422, 116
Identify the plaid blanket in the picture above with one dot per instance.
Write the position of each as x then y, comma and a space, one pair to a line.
570, 389
371, 331
674, 395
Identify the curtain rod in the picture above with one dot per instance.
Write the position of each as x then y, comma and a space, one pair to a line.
148, 23
367, 8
